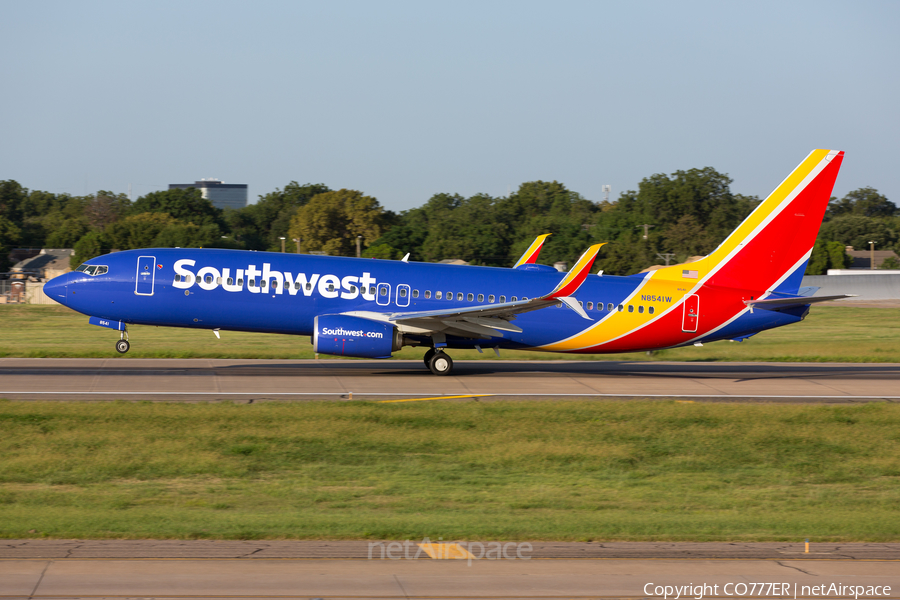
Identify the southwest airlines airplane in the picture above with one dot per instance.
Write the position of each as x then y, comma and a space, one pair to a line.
370, 308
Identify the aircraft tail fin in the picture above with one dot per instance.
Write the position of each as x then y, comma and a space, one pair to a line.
531, 255
768, 252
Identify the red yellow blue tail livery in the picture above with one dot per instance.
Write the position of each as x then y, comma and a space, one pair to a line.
372, 308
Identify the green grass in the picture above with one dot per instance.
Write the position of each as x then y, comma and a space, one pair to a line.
829, 334
584, 470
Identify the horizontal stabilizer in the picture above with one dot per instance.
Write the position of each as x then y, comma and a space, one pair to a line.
773, 303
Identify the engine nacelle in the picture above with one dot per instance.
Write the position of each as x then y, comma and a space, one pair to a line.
344, 335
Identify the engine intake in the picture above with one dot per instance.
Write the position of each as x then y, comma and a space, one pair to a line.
343, 335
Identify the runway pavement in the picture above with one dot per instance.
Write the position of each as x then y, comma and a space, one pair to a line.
260, 380
388, 579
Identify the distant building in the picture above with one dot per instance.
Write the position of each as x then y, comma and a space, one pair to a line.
862, 259
45, 265
221, 194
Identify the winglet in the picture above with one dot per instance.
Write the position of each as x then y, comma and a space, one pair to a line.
576, 276
531, 255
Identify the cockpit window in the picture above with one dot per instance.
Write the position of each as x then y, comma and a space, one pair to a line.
93, 270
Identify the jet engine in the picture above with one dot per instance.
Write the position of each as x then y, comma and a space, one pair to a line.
343, 335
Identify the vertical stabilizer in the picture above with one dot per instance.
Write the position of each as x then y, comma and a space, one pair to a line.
769, 250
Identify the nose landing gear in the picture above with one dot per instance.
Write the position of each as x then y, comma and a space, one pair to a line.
122, 345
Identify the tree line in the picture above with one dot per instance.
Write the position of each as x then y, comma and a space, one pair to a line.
677, 216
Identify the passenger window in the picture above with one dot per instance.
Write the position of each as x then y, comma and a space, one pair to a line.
352, 289
208, 279
609, 307
590, 306
650, 310
382, 291
263, 283
581, 304
524, 298
308, 286
641, 308
481, 297
459, 296
491, 298
415, 293
437, 295
218, 281
502, 299
241, 282
403, 292
514, 299
620, 308
231, 281
630, 308
428, 294
252, 283
470, 297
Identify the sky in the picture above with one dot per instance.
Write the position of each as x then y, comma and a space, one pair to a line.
404, 100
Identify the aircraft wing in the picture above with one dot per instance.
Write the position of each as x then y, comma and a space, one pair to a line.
485, 321
530, 256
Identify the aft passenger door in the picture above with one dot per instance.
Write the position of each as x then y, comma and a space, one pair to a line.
146, 276
691, 315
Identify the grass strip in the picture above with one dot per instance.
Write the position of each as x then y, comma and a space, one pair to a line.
829, 334
570, 470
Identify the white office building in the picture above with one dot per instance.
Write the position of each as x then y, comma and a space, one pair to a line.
221, 194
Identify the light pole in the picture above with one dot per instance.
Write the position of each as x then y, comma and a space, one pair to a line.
282, 244
358, 242
298, 244
666, 256
871, 255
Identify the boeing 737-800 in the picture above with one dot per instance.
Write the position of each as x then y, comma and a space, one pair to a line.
371, 308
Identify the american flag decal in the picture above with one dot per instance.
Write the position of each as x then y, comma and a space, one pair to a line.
689, 274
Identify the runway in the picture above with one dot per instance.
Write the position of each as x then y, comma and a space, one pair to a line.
785, 577
261, 380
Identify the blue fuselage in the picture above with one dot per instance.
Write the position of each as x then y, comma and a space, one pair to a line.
284, 293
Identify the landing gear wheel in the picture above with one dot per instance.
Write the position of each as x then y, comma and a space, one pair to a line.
122, 346
440, 364
428, 356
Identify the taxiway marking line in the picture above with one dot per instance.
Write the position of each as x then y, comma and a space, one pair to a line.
513, 394
435, 398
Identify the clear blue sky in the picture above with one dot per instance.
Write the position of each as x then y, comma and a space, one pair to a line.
403, 100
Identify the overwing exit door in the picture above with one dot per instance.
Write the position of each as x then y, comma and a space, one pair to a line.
146, 276
691, 313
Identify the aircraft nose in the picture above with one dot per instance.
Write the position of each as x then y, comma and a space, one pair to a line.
55, 289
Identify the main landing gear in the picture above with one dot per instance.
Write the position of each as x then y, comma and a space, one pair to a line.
122, 345
438, 362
